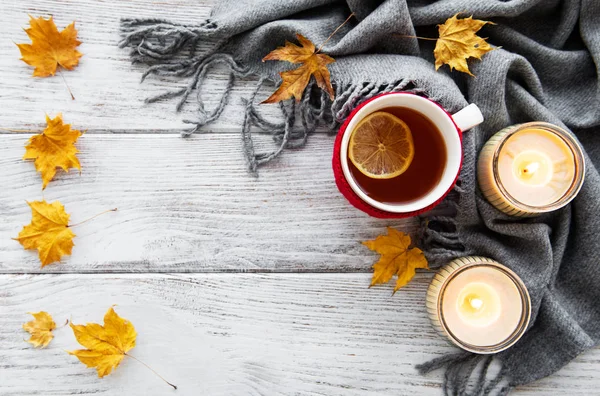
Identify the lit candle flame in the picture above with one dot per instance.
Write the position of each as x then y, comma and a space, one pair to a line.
531, 168
476, 303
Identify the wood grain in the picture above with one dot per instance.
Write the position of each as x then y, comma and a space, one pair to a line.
240, 334
189, 205
106, 86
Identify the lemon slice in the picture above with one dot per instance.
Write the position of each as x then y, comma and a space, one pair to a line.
381, 146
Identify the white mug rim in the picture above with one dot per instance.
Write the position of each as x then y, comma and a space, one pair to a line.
444, 123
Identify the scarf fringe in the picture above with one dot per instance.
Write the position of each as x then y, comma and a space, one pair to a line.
461, 367
439, 234
170, 50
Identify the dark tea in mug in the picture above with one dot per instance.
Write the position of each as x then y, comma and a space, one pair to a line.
424, 172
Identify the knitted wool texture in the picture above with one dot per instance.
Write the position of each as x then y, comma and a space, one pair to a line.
546, 70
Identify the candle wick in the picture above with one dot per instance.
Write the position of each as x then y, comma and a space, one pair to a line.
531, 168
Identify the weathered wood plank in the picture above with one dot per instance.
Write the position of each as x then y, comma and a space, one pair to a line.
105, 84
189, 205
234, 334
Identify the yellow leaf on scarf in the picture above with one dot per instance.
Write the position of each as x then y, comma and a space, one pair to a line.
48, 231
458, 42
53, 148
40, 329
106, 345
396, 258
50, 48
294, 82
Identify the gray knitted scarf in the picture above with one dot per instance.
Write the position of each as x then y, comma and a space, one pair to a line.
546, 70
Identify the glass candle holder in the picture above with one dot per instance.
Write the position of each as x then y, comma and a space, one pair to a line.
532, 168
479, 305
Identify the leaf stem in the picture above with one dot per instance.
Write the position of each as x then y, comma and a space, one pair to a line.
334, 32
417, 37
65, 81
60, 327
91, 218
151, 369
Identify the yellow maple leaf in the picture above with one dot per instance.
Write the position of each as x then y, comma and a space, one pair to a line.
313, 63
48, 231
53, 148
40, 329
106, 345
50, 48
396, 258
458, 42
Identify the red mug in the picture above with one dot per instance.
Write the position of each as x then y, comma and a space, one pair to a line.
450, 126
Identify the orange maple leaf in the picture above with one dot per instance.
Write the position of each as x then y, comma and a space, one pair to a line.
294, 82
107, 345
48, 231
40, 329
396, 258
50, 48
458, 42
53, 148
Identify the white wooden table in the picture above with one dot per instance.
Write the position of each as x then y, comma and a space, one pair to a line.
236, 285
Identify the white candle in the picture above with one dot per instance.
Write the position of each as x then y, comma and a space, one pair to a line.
478, 304
530, 168
475, 300
536, 167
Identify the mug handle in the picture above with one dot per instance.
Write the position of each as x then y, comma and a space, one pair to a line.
468, 117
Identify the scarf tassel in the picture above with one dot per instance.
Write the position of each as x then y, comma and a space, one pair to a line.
179, 51
461, 368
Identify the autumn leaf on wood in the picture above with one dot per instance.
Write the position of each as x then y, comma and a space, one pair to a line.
40, 329
48, 231
312, 63
458, 42
53, 148
50, 48
396, 258
106, 345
